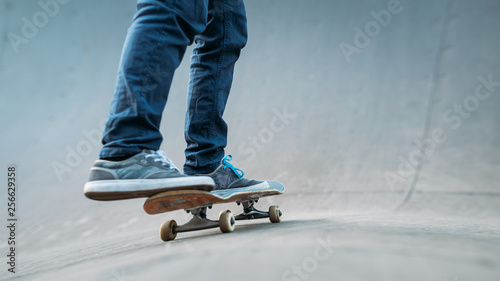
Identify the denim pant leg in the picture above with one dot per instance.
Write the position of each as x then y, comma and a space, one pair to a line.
153, 49
211, 75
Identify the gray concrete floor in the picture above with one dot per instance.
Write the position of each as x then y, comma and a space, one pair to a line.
390, 153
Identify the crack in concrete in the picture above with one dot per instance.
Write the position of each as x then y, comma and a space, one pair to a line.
432, 96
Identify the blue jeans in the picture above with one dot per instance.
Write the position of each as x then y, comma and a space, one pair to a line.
155, 44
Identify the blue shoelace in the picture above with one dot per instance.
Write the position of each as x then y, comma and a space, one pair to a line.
239, 173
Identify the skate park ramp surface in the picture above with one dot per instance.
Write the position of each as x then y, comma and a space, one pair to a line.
380, 117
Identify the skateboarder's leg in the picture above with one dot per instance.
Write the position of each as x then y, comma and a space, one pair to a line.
153, 49
212, 64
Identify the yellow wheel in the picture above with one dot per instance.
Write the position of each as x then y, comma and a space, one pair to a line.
274, 214
167, 230
226, 221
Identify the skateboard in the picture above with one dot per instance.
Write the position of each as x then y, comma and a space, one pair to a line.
196, 202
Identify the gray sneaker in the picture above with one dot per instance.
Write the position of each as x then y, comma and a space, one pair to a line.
142, 175
226, 176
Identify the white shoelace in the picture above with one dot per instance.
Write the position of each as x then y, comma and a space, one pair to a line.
161, 156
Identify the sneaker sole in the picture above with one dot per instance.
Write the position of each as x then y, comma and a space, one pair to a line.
107, 190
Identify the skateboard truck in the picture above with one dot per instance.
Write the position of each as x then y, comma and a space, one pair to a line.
250, 212
226, 222
199, 221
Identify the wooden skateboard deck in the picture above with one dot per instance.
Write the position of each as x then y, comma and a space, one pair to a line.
187, 199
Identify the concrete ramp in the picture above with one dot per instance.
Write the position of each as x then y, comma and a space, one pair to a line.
381, 118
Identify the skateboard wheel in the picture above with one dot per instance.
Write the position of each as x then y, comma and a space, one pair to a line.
167, 230
274, 214
223, 211
226, 221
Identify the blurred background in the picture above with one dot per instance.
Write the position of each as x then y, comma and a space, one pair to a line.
381, 118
